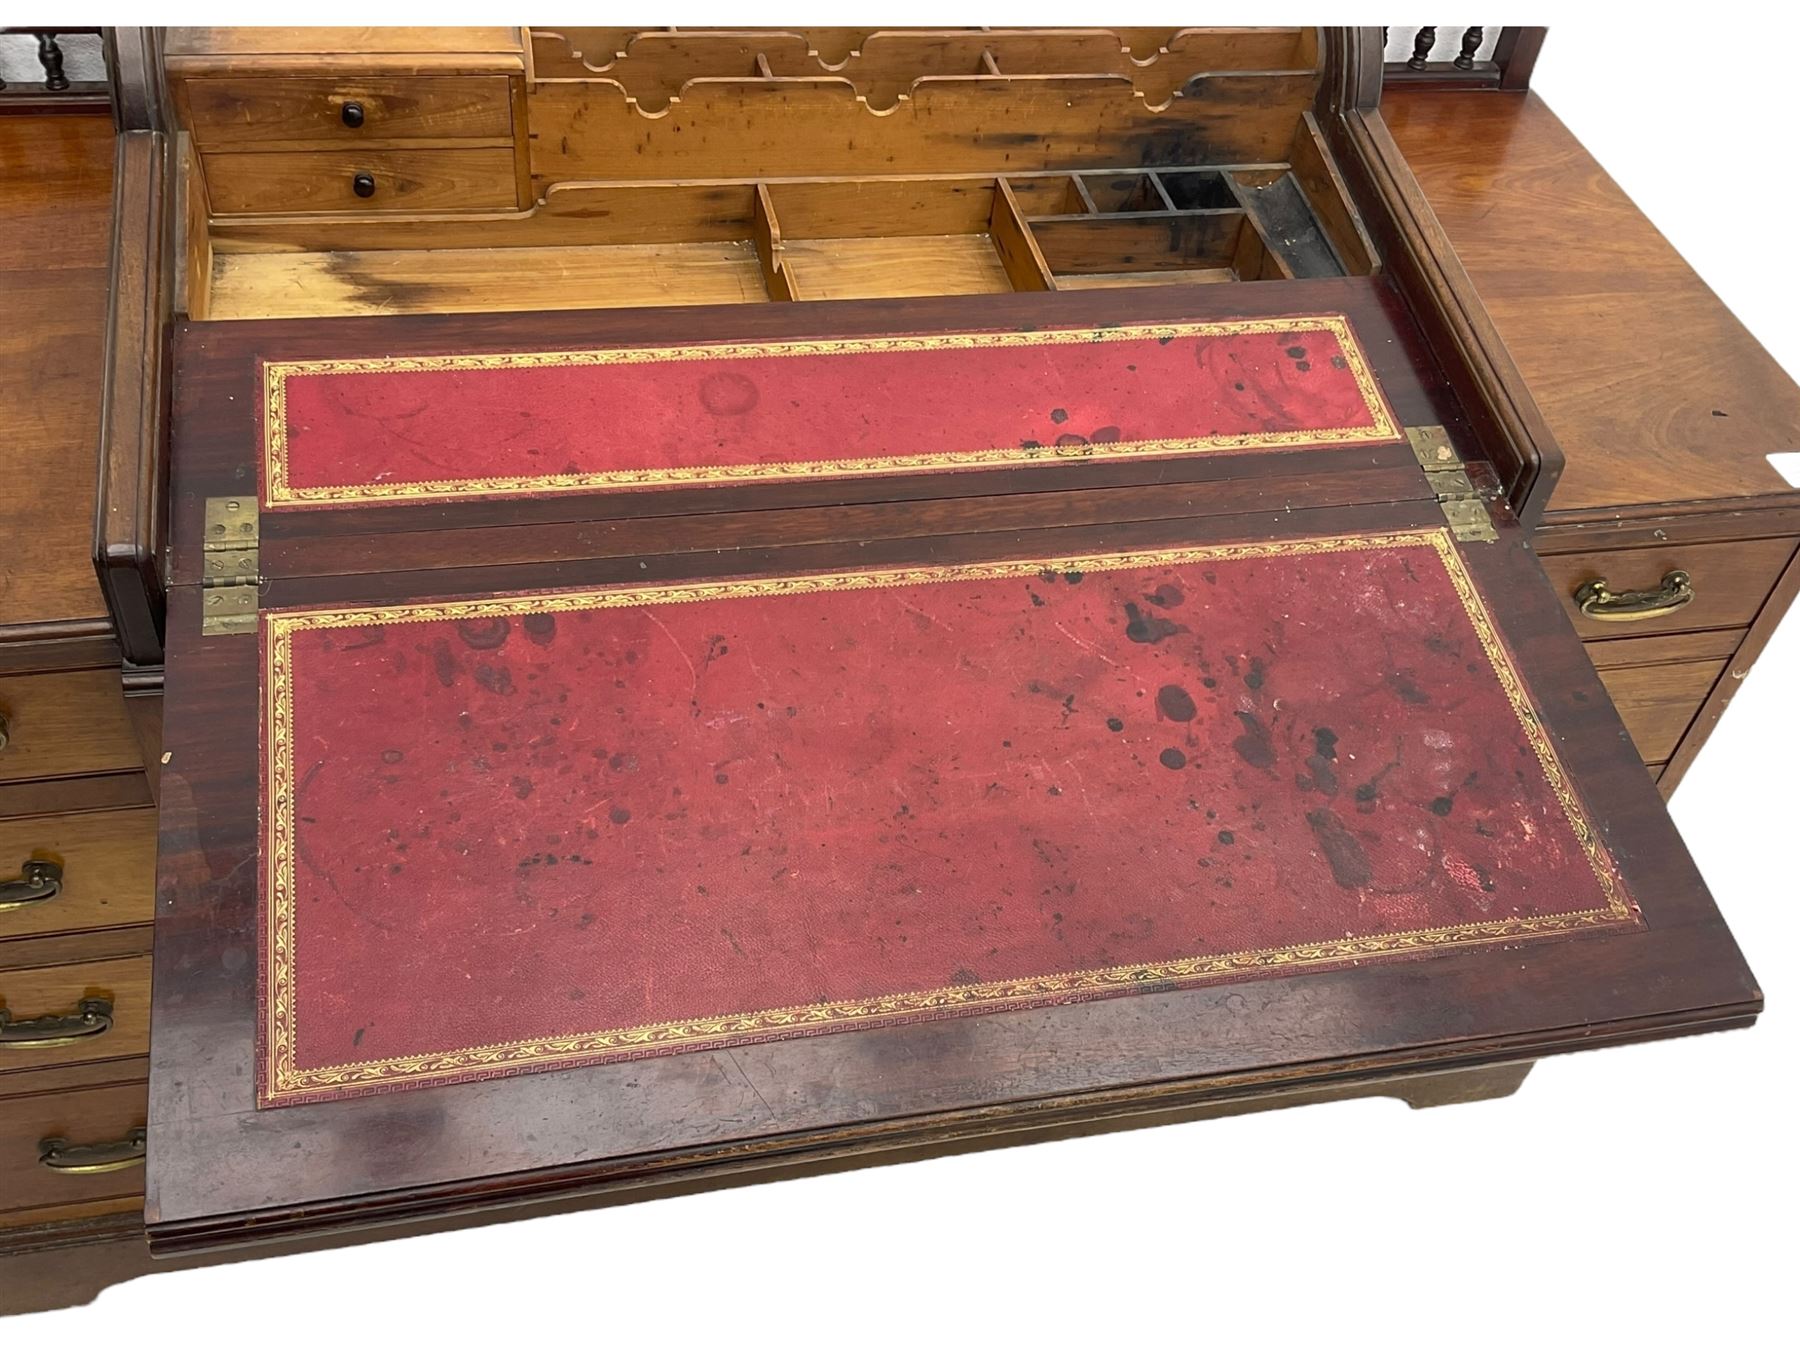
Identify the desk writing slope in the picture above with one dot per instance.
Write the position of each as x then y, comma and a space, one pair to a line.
543, 830
610, 784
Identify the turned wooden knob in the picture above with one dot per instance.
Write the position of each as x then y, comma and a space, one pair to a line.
352, 114
363, 184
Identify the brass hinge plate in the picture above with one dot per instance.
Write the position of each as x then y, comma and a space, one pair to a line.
231, 568
1463, 507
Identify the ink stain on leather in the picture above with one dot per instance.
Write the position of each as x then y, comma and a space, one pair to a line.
1349, 864
494, 679
443, 660
1166, 596
1115, 724
1256, 674
540, 628
1320, 775
484, 635
1172, 759
728, 394
1152, 628
1402, 685
1175, 703
1059, 415
1254, 746
619, 815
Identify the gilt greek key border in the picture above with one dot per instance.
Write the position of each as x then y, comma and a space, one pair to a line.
281, 1081
279, 492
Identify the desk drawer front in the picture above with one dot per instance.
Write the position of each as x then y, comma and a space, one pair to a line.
248, 113
106, 866
92, 1119
1658, 702
81, 1014
1727, 582
361, 180
68, 722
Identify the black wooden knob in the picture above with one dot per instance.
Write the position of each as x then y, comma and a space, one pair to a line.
353, 114
363, 185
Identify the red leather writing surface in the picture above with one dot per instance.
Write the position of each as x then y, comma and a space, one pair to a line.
363, 430
547, 830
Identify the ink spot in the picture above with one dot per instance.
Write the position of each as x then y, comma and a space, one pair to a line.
1298, 353
1227, 837
1104, 435
494, 679
1175, 703
721, 778
540, 628
1319, 763
1409, 692
1069, 438
1254, 747
1303, 366
618, 815
1166, 596
1349, 864
521, 788
1254, 680
392, 756
728, 394
1073, 578
357, 1038
1059, 415
1208, 682
443, 660
1114, 724
1339, 363
1141, 627
1172, 759
1441, 806
484, 635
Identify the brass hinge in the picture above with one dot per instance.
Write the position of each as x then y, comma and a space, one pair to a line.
229, 579
1456, 492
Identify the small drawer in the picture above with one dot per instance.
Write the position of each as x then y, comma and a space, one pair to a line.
367, 180
69, 874
1728, 583
66, 722
1657, 703
236, 113
56, 1015
89, 1137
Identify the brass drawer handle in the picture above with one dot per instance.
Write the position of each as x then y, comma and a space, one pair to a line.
1598, 602
38, 880
93, 1018
59, 1155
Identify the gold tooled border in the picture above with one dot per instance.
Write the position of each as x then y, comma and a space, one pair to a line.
283, 1081
278, 492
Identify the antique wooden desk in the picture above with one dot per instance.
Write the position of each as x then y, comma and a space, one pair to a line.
611, 684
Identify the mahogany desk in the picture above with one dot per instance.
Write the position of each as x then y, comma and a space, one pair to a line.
305, 192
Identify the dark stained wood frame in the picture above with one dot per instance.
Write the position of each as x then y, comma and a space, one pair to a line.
223, 1173
130, 516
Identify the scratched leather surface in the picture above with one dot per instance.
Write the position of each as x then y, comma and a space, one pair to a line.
545, 824
384, 429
